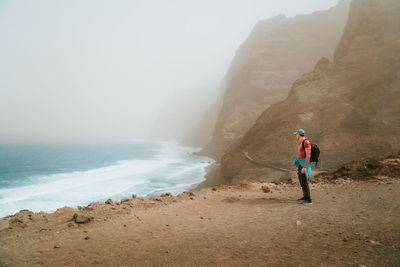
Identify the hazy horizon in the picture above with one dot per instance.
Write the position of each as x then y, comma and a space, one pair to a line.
102, 71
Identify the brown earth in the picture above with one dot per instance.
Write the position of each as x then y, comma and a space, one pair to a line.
349, 224
275, 54
349, 107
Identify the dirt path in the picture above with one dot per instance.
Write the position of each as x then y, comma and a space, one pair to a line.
356, 224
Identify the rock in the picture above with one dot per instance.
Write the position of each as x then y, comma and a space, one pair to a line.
86, 237
70, 225
275, 182
298, 223
133, 195
166, 195
81, 218
191, 193
327, 96
232, 199
261, 73
56, 246
214, 189
109, 201
265, 188
191, 198
125, 200
375, 242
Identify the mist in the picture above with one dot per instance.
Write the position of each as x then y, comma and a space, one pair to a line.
104, 71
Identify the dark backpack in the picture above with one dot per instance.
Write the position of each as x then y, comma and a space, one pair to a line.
314, 152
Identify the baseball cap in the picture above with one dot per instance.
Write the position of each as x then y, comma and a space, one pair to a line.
300, 132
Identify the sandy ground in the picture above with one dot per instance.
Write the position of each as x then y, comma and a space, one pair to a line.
349, 224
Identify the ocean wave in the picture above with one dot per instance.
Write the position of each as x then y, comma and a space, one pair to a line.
172, 169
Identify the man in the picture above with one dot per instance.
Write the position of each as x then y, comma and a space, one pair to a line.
303, 165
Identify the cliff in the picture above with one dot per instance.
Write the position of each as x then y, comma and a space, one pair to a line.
350, 107
277, 52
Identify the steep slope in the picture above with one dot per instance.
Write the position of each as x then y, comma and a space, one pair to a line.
277, 52
350, 107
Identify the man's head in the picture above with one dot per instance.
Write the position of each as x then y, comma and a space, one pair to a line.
299, 133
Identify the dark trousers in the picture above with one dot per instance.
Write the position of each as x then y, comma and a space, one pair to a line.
304, 184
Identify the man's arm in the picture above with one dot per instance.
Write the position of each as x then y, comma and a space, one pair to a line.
308, 155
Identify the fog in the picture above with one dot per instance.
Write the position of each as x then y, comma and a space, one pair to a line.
102, 71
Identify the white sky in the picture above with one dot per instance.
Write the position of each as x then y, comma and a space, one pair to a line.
96, 70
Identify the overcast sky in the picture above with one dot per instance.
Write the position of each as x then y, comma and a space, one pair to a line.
84, 71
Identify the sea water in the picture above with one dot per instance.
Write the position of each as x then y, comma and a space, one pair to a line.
48, 177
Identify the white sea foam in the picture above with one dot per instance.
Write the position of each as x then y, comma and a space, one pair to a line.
173, 169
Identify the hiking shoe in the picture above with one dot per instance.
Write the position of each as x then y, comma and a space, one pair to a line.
305, 202
301, 199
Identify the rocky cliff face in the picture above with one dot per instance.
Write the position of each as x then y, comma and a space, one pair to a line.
350, 107
277, 51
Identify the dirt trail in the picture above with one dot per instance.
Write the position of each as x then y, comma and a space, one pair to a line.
349, 224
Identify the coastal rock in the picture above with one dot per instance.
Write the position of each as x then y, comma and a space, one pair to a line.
349, 107
275, 54
109, 201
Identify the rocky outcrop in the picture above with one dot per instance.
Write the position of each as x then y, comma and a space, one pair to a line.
350, 107
277, 52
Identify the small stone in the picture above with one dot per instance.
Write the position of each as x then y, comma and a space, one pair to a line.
202, 218
265, 188
192, 198
81, 218
191, 193
167, 251
231, 199
214, 189
133, 195
298, 223
86, 237
109, 201
56, 246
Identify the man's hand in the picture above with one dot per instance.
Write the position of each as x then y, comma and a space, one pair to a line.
303, 170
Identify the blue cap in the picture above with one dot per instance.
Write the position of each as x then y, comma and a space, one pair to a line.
300, 132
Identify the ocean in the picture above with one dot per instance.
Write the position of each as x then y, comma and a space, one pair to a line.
48, 177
